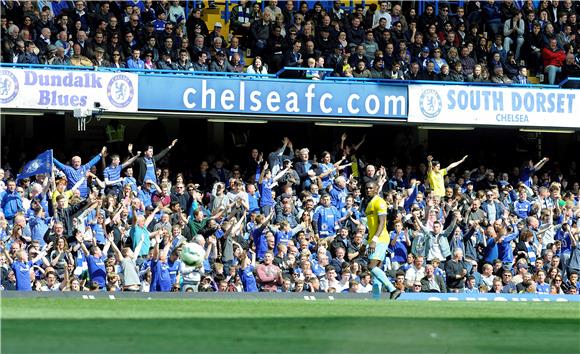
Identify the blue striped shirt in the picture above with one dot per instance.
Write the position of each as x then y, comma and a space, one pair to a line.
113, 173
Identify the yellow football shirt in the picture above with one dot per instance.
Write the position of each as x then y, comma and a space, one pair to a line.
377, 206
437, 182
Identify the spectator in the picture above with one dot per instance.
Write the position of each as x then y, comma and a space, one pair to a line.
293, 58
240, 20
361, 71
492, 15
378, 70
432, 282
438, 61
257, 67
498, 76
467, 62
259, 34
220, 63
184, 63
116, 61
269, 275
571, 68
513, 31
456, 74
522, 77
100, 58
553, 58
146, 163
148, 62
135, 62
201, 63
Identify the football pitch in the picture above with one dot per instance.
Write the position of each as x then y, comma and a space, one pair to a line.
48, 325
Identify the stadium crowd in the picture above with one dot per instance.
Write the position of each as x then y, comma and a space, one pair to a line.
287, 221
485, 41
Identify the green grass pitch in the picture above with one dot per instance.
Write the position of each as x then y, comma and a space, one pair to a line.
286, 326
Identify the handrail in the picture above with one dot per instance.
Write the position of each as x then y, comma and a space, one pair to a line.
159, 72
440, 83
293, 68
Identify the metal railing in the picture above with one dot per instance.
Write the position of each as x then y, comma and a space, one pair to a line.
570, 82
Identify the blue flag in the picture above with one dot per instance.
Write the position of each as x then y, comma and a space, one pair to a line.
42, 164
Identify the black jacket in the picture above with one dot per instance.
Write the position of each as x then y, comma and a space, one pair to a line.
142, 166
65, 216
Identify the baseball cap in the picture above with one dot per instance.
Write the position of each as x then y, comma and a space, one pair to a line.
426, 49
218, 24
50, 48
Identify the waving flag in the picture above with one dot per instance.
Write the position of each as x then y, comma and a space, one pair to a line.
40, 165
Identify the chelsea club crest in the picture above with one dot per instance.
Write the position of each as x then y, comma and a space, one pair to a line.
8, 86
120, 91
430, 104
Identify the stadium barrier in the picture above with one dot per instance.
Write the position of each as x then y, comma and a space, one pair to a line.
462, 297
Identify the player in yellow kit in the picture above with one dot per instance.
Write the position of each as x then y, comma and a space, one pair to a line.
378, 241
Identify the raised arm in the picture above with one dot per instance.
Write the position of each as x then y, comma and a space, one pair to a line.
414, 190
220, 212
46, 184
456, 163
282, 173
429, 163
152, 215
95, 159
239, 224
357, 146
131, 160
541, 163
164, 152
134, 215
42, 253
155, 254
59, 164
137, 250
573, 240
118, 253
78, 184
82, 244
167, 247
6, 254
285, 143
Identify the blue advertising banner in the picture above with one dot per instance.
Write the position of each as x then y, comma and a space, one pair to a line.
490, 297
273, 97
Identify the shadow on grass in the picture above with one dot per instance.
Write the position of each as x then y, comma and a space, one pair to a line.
290, 335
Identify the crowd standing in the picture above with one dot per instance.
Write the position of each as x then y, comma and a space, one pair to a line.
287, 221
484, 41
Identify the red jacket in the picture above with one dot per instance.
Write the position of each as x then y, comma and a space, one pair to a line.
553, 58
